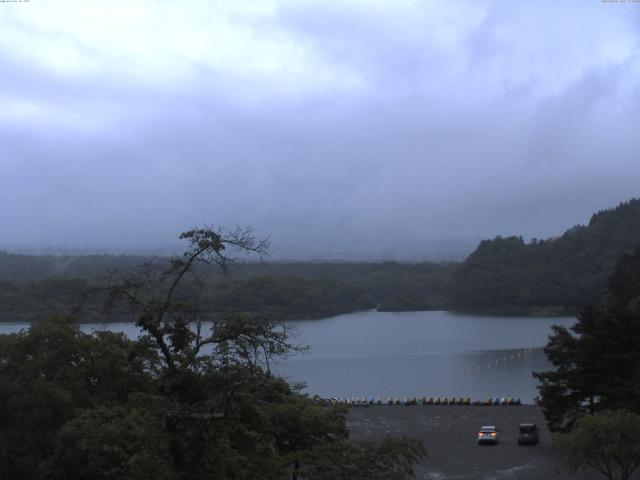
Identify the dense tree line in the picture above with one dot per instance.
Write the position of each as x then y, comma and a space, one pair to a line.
291, 290
553, 276
178, 402
28, 268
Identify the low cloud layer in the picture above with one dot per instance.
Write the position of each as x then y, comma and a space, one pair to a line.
352, 130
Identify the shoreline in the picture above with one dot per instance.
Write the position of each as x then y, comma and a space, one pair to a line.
310, 316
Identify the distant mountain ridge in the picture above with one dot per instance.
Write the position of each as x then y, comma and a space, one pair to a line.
551, 276
504, 275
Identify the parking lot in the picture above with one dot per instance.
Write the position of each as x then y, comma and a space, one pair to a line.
450, 434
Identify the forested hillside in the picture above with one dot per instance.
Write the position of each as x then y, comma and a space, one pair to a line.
33, 286
543, 277
547, 276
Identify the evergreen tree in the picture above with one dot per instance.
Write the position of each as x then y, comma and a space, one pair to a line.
597, 361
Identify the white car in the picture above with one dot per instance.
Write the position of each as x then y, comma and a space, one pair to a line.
488, 434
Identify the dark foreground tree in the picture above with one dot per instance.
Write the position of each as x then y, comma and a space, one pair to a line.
607, 442
53, 373
597, 361
391, 459
180, 402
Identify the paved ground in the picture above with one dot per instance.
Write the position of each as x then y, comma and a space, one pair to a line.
450, 433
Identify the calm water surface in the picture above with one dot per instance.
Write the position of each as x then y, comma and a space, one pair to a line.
410, 353
422, 353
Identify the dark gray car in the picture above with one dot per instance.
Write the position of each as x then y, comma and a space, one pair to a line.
528, 433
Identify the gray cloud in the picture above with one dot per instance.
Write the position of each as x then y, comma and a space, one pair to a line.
339, 130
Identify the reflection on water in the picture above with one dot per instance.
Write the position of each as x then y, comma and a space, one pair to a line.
422, 354
475, 374
410, 354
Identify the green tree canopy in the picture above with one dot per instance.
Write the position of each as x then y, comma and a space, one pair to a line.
607, 442
597, 361
182, 401
556, 275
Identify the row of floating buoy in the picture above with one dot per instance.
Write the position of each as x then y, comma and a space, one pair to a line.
408, 401
500, 362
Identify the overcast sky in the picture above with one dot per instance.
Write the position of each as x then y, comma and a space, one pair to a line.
343, 128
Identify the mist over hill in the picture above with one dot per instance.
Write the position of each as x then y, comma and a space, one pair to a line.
507, 274
431, 249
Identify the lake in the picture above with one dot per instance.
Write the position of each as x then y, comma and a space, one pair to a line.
422, 354
411, 354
